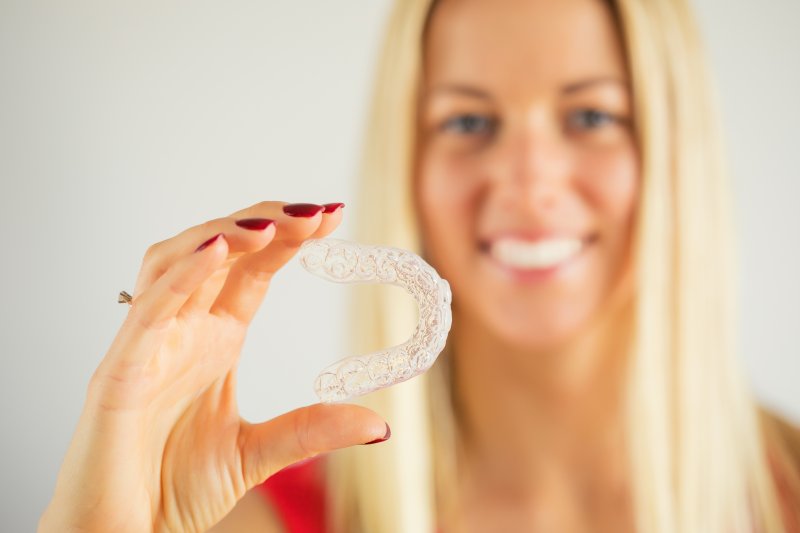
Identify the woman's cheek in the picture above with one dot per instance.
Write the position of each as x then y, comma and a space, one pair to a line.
446, 191
611, 185
442, 186
610, 181
434, 204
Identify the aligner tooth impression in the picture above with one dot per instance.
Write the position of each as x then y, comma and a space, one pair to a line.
350, 262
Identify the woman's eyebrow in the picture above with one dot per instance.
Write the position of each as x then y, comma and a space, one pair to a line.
460, 89
474, 92
591, 82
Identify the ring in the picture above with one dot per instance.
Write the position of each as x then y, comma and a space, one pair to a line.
125, 298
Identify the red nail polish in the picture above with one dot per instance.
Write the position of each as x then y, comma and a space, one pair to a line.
384, 438
330, 208
302, 210
255, 223
208, 243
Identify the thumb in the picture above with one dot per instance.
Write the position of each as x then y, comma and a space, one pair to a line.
270, 446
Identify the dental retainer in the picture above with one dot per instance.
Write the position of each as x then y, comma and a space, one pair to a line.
350, 262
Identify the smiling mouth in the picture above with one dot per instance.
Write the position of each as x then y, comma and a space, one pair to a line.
541, 254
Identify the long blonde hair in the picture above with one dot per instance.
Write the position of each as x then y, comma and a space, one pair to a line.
698, 460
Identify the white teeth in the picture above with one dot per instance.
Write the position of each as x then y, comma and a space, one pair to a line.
541, 254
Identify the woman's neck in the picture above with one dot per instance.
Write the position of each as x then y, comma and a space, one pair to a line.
528, 413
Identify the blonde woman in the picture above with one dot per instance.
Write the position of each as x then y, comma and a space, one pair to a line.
557, 162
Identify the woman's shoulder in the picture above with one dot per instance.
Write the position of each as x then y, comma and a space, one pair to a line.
784, 434
783, 450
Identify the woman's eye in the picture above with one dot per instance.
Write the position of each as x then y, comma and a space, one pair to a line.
468, 124
589, 119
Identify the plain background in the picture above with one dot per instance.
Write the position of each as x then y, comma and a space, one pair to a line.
122, 123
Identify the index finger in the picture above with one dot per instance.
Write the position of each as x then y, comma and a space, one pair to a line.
250, 276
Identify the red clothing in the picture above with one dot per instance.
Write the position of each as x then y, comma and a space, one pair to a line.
297, 495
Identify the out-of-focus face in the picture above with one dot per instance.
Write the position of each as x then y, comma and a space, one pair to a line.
527, 171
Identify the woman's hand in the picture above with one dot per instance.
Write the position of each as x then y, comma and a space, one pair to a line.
160, 445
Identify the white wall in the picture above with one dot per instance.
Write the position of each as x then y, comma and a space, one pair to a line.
755, 52
122, 123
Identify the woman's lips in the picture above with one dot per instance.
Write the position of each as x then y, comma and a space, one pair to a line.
535, 259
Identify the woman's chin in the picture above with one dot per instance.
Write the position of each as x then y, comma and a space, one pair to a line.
550, 333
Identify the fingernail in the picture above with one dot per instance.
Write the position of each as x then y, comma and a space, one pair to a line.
330, 208
208, 243
302, 210
255, 223
384, 438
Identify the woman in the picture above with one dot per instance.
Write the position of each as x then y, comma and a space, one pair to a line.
557, 163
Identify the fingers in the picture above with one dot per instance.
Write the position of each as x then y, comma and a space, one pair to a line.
161, 256
303, 433
258, 232
154, 310
176, 278
242, 238
250, 276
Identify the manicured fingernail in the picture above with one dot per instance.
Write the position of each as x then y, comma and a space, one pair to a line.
255, 223
302, 210
384, 438
208, 243
330, 208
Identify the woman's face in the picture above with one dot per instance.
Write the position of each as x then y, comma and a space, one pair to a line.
527, 169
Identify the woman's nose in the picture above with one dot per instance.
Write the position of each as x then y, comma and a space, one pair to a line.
532, 166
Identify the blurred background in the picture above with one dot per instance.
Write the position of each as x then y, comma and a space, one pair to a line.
123, 123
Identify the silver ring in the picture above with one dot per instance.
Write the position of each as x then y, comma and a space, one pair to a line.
125, 298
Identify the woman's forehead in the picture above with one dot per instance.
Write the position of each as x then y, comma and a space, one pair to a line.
498, 42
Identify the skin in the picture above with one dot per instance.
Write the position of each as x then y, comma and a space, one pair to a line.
524, 125
160, 445
525, 131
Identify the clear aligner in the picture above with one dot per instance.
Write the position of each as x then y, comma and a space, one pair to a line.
349, 262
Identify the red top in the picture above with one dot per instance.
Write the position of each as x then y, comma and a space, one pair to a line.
297, 495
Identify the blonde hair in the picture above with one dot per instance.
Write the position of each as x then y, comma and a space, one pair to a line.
698, 460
